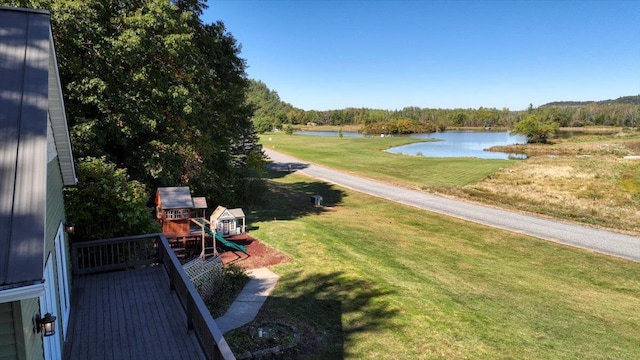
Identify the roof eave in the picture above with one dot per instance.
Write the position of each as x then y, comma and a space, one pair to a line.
21, 292
58, 117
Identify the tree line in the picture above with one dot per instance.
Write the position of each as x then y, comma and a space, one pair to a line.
273, 113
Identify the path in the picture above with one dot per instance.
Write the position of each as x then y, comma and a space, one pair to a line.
246, 306
606, 242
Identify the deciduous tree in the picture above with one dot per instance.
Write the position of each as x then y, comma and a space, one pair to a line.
535, 128
107, 203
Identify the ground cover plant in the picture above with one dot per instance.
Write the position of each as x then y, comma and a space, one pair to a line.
581, 178
374, 279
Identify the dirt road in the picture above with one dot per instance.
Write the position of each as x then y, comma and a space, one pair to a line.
585, 237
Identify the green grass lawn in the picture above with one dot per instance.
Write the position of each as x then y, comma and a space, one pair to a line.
365, 156
371, 279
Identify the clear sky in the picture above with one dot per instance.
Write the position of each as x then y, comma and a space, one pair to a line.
334, 54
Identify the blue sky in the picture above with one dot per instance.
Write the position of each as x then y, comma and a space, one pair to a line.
333, 54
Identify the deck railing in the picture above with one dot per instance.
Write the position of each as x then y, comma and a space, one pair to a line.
130, 252
114, 254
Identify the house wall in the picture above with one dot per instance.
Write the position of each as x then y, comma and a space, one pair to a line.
29, 343
8, 349
233, 225
55, 216
17, 339
55, 205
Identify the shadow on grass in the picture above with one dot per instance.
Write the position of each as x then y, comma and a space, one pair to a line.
324, 303
288, 201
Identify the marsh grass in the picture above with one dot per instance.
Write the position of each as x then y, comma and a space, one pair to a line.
583, 178
599, 190
374, 279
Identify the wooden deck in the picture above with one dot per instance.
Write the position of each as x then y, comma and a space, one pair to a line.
128, 314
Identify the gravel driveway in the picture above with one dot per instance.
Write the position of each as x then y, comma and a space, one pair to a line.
606, 242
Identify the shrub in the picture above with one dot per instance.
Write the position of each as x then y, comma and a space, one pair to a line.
227, 288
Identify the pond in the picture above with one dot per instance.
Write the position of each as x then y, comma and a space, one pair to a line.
455, 143
469, 143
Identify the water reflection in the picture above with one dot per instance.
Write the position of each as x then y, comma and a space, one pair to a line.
462, 144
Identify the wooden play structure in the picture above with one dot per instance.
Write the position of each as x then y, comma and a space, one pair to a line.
183, 222
175, 207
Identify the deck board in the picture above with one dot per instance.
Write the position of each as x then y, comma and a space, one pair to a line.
129, 315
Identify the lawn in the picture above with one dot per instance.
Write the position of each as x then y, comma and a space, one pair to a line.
365, 156
375, 279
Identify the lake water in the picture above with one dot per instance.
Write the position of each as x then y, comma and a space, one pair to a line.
463, 143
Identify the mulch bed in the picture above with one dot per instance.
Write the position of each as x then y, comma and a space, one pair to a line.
260, 255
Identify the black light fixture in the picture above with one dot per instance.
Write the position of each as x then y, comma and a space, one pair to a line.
45, 324
69, 227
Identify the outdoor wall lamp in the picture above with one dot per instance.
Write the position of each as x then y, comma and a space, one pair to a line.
69, 227
45, 324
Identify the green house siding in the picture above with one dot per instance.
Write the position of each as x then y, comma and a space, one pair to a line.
55, 204
8, 349
17, 339
29, 343
55, 217
55, 214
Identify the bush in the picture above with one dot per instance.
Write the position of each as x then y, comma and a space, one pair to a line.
227, 288
536, 129
106, 204
288, 129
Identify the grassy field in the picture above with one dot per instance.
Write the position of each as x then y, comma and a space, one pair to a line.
371, 279
365, 156
582, 178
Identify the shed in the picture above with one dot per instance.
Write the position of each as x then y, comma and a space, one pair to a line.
316, 200
228, 222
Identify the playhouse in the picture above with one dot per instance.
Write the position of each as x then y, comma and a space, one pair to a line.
228, 222
174, 209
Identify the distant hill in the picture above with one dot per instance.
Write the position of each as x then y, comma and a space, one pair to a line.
633, 100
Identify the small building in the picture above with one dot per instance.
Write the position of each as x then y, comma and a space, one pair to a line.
37, 162
175, 207
228, 222
316, 200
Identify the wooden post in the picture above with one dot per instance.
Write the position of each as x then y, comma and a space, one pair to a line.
203, 253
